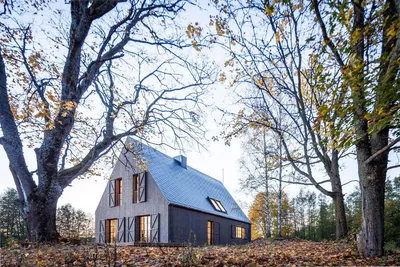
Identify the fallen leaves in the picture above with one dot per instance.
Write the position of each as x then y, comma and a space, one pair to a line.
260, 253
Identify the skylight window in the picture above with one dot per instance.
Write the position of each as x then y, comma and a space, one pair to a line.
217, 204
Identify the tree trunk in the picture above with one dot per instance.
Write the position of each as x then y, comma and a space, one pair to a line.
372, 178
340, 216
280, 187
279, 219
372, 172
338, 199
340, 212
370, 239
41, 216
267, 209
294, 218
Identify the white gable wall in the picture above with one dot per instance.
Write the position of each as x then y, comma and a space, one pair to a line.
155, 201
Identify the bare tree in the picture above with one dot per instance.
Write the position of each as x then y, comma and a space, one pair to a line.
268, 58
74, 223
262, 165
117, 70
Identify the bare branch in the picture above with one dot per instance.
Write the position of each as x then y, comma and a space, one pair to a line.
393, 167
382, 150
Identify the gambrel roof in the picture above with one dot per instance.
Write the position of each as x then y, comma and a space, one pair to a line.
187, 187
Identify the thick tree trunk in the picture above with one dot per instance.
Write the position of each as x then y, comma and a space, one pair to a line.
370, 239
372, 152
41, 217
41, 208
372, 179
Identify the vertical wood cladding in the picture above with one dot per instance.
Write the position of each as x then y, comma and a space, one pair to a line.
150, 202
190, 226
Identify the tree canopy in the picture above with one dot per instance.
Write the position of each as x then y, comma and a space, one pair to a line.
103, 71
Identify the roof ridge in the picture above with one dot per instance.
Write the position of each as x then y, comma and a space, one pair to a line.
164, 154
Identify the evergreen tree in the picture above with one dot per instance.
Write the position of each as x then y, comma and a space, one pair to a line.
392, 212
12, 223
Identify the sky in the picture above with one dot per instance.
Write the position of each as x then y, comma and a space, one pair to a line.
218, 160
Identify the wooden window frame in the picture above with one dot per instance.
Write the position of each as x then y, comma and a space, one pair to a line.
139, 181
239, 232
118, 192
135, 188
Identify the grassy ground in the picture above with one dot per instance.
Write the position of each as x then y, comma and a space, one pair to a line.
286, 252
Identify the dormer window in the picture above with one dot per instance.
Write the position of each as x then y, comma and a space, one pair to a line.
217, 204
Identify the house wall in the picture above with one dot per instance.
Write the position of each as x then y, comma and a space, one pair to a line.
187, 225
155, 201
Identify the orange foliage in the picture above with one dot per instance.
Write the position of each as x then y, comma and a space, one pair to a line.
261, 253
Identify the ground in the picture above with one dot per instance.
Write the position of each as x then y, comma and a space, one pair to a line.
262, 253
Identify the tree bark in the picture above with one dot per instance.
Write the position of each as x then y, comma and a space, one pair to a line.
280, 190
267, 209
372, 169
340, 216
338, 199
279, 219
42, 217
372, 178
370, 239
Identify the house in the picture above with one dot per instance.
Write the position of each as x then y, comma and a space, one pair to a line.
153, 198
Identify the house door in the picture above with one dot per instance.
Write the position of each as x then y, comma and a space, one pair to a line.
142, 229
213, 233
147, 228
111, 231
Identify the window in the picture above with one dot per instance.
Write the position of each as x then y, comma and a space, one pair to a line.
217, 204
118, 192
135, 195
239, 232
139, 187
115, 192
111, 231
144, 229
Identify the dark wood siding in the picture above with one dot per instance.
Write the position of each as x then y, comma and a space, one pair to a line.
190, 226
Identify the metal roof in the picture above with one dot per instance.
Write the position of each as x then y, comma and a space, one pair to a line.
188, 187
